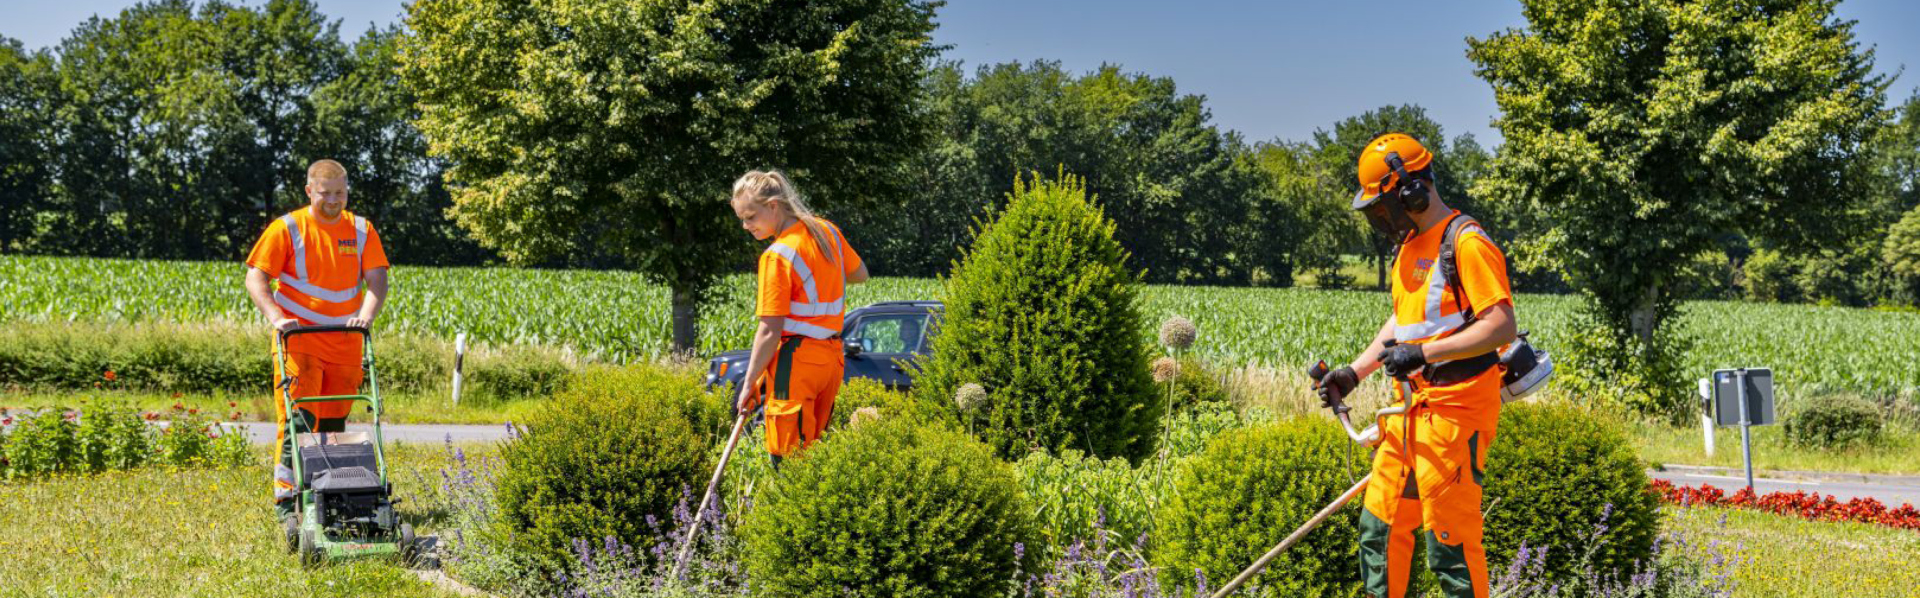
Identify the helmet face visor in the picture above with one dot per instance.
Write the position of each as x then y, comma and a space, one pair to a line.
1386, 216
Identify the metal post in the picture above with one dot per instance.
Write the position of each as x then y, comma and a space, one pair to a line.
1746, 419
459, 357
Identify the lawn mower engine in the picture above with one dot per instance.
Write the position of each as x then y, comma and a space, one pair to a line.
348, 495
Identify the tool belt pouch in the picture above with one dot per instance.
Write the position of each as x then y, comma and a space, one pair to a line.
1528, 370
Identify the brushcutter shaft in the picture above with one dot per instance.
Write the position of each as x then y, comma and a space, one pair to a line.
1318, 518
686, 548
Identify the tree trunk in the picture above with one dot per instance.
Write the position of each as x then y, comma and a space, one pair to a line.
1380, 271
686, 320
1645, 316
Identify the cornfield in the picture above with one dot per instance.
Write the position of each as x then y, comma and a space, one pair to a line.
619, 317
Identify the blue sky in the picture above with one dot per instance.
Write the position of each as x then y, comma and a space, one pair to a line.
1269, 69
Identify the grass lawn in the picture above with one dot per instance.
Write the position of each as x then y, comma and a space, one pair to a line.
1787, 557
1897, 453
195, 532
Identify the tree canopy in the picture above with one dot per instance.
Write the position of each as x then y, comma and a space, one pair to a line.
1641, 131
616, 128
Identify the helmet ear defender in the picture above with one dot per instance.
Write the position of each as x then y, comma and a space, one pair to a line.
1412, 190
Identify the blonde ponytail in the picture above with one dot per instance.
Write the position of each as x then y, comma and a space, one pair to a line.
766, 187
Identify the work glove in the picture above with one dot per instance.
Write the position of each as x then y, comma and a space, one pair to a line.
1401, 360
1335, 386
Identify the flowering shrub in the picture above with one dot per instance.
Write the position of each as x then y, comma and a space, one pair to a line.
1798, 503
1673, 569
192, 439
1103, 568
115, 438
42, 443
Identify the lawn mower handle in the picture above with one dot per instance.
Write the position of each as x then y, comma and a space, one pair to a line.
287, 334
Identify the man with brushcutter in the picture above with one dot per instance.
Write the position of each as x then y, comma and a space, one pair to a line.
1452, 313
308, 269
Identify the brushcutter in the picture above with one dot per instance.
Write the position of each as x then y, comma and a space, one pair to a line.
740, 427
1369, 437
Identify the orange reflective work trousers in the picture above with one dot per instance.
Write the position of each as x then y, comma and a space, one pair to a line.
311, 377
1436, 486
799, 387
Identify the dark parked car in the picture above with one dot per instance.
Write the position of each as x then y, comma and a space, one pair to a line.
881, 340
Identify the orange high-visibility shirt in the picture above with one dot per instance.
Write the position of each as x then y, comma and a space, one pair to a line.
797, 280
1424, 306
318, 269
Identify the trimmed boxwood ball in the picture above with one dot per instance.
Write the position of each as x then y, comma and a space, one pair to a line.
1042, 314
858, 393
618, 446
1555, 475
893, 507
1247, 491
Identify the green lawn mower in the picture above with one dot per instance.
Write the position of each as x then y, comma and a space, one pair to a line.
345, 501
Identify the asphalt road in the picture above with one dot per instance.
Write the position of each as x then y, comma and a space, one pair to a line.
262, 432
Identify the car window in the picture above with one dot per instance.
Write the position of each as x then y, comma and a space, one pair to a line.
891, 333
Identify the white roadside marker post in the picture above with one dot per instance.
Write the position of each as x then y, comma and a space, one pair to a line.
459, 357
1706, 413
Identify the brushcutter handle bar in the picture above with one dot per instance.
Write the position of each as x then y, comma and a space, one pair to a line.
1318, 372
1368, 437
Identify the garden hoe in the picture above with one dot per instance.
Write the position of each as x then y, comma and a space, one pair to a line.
345, 506
1368, 438
740, 425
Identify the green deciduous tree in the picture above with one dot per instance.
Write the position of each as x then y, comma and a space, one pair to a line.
1303, 183
180, 124
1187, 195
177, 130
615, 128
1316, 181
364, 119
1640, 131
26, 124
1901, 255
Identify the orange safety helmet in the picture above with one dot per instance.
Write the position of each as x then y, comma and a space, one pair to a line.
1378, 171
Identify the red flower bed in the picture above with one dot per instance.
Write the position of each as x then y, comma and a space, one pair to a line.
1802, 504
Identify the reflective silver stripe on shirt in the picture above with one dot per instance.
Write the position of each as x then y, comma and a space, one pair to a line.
808, 330
299, 280
321, 293
799, 267
299, 246
807, 310
309, 315
359, 248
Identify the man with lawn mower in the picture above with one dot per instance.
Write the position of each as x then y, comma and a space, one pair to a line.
1452, 315
320, 256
